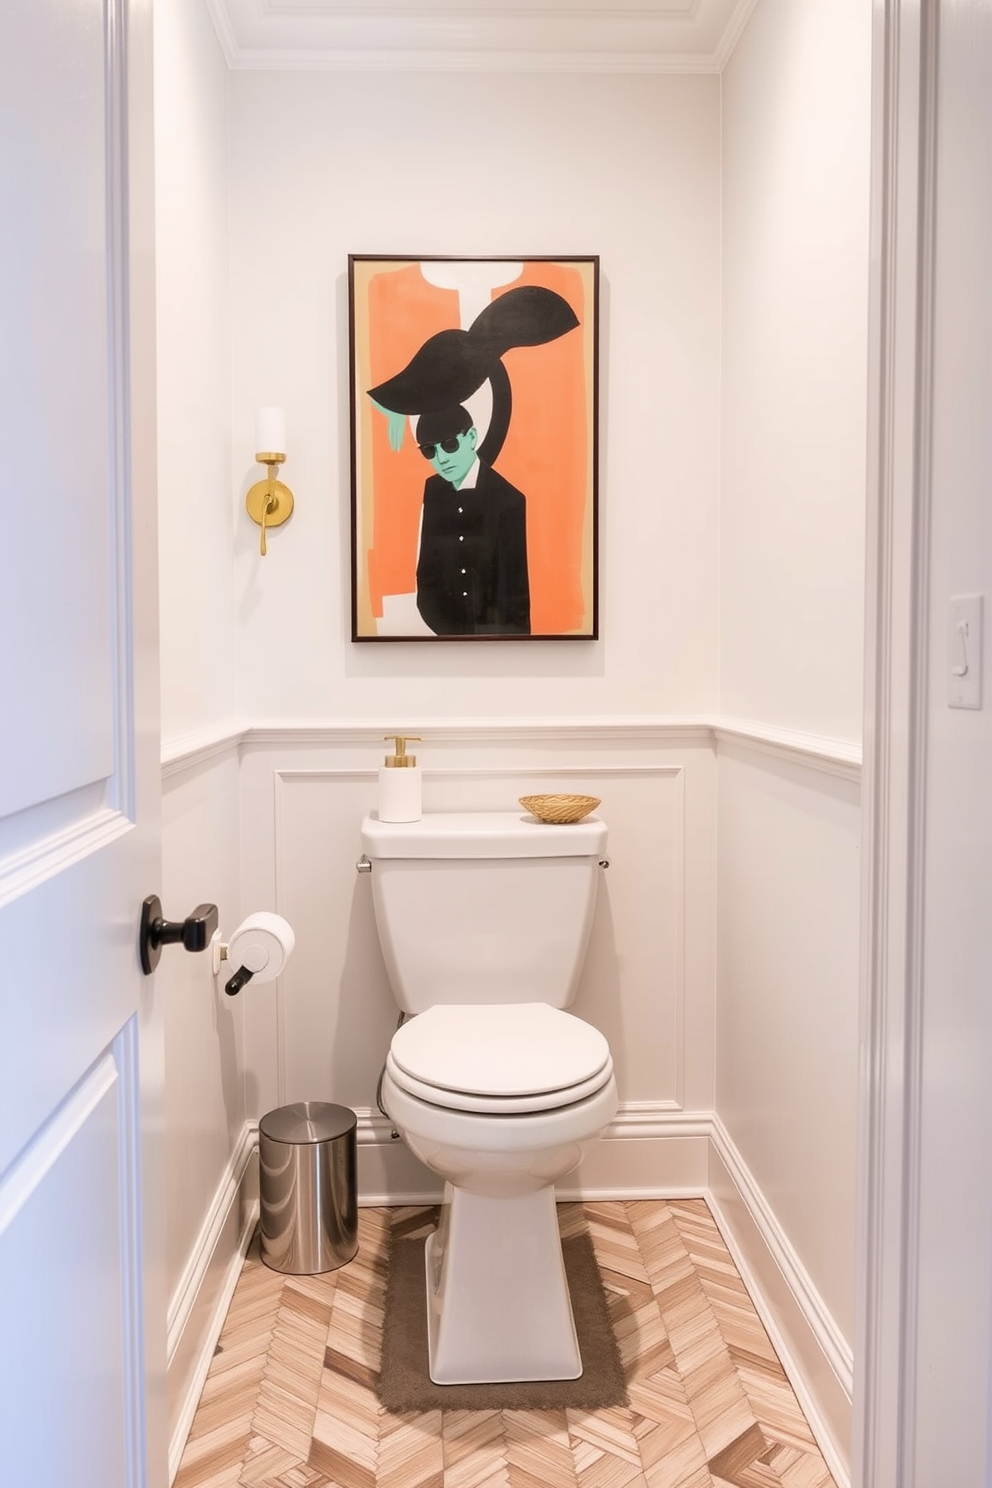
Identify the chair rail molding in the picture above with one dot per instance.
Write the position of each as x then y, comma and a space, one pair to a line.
816, 752
187, 752
813, 751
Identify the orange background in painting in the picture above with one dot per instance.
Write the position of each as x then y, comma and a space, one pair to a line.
545, 455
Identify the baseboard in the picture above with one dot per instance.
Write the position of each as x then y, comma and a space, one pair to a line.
388, 1172
201, 1299
814, 1353
649, 1151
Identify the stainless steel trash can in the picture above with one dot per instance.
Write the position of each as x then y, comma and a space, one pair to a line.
308, 1187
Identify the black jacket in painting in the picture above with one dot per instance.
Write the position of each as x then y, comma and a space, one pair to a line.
472, 573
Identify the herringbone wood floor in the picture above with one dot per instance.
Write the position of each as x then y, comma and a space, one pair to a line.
290, 1399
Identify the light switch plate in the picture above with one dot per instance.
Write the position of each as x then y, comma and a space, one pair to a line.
964, 651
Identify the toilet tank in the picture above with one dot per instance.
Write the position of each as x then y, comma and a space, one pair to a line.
483, 907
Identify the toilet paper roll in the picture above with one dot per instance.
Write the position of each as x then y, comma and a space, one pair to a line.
263, 943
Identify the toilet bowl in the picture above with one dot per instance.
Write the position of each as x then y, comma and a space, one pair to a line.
499, 1099
493, 1086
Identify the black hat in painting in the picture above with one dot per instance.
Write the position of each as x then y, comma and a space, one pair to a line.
452, 365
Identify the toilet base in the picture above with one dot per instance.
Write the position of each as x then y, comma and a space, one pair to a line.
498, 1309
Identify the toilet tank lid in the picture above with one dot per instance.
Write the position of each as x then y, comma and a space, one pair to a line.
482, 834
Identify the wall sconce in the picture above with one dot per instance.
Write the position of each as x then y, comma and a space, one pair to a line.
269, 502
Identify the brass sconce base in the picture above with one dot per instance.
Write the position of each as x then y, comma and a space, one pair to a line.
281, 498
269, 503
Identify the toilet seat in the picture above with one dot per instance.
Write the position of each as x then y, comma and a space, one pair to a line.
503, 1059
498, 1105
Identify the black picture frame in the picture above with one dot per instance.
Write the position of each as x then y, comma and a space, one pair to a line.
474, 404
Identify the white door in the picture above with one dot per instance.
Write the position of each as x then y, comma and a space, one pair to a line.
79, 835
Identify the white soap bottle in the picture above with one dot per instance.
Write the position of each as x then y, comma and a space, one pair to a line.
399, 782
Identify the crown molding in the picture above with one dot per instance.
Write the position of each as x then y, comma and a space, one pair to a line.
500, 36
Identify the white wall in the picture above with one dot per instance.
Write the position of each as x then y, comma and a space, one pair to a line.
205, 1108
788, 884
796, 126
305, 167
628, 168
323, 165
792, 517
199, 623
201, 858
693, 247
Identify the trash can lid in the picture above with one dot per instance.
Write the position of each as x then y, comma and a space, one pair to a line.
307, 1121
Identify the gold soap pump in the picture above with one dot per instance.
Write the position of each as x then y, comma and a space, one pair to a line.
399, 782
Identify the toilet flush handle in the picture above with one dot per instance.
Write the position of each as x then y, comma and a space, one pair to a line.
604, 862
363, 865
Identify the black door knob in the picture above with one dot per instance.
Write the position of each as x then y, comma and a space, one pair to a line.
193, 933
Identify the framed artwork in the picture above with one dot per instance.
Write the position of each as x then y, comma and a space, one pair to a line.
474, 407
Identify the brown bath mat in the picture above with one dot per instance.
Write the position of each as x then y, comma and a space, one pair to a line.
405, 1385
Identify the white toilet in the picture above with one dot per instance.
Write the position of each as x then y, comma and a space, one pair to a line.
483, 920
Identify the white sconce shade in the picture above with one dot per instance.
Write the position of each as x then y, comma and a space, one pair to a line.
270, 431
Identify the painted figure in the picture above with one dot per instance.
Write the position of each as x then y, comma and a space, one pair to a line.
472, 565
472, 576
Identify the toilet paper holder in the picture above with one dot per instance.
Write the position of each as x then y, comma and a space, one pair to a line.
259, 948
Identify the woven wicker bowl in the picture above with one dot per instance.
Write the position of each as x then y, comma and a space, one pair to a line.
559, 810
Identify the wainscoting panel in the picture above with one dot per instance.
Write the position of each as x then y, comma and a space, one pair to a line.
322, 1031
334, 1009
787, 1000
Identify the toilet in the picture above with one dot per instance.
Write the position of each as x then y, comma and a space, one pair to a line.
483, 919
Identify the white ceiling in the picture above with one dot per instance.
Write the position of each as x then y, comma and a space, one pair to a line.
481, 35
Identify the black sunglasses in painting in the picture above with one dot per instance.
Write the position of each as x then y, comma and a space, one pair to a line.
448, 445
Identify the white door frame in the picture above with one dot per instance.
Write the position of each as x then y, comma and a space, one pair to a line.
897, 642
138, 134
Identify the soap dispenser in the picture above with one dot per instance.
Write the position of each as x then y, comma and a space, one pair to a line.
399, 782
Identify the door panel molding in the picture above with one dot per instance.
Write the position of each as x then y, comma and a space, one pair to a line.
47, 855
77, 1322
35, 1161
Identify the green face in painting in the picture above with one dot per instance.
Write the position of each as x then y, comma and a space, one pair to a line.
453, 458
